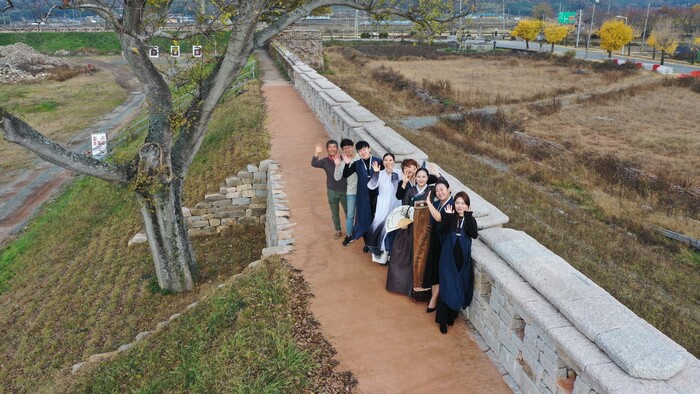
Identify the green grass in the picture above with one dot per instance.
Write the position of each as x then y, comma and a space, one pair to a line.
44, 106
106, 43
240, 339
74, 257
101, 42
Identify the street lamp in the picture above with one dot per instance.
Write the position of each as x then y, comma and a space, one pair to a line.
625, 18
590, 28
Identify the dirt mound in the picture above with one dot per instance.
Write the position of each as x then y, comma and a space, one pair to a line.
21, 63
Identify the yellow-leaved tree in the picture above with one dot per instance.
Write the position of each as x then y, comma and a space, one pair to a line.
554, 34
527, 29
665, 37
614, 35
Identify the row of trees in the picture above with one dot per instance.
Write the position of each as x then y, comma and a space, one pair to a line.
614, 34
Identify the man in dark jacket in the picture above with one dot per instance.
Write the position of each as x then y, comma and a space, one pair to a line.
336, 190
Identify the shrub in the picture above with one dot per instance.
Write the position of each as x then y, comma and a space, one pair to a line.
365, 35
383, 35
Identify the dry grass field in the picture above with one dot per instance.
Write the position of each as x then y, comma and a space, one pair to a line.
502, 80
57, 109
657, 128
590, 177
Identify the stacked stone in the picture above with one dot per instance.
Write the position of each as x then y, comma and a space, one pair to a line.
279, 233
241, 199
306, 43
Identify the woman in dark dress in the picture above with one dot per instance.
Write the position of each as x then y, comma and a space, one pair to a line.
432, 272
399, 278
458, 228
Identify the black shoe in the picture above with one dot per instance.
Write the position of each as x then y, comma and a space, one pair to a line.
443, 328
430, 310
347, 241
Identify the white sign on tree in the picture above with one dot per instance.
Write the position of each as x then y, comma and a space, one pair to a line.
99, 145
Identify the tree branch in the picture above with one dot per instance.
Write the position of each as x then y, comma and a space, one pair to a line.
19, 132
8, 6
369, 6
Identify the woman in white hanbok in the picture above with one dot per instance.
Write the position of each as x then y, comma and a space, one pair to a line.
385, 182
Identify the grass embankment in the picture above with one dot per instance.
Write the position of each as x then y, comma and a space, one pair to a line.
72, 288
550, 197
244, 338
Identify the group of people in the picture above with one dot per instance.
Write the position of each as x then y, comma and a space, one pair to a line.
428, 250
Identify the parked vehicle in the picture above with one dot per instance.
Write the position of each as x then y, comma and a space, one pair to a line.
684, 52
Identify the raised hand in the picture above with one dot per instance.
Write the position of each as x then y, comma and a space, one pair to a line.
346, 159
432, 168
319, 148
337, 160
448, 209
375, 166
406, 177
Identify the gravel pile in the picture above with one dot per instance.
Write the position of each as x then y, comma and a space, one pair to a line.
20, 63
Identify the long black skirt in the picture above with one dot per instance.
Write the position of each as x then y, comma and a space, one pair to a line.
399, 277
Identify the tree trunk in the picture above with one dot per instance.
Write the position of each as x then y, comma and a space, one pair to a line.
552, 47
170, 245
527, 44
609, 54
159, 193
662, 56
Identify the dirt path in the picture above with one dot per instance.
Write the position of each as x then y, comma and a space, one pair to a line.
387, 341
20, 198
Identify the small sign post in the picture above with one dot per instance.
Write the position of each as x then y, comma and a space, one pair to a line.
99, 145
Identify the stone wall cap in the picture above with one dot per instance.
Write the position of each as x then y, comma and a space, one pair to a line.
361, 114
340, 96
323, 83
639, 353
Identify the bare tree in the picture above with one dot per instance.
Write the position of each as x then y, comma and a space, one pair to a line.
664, 35
158, 172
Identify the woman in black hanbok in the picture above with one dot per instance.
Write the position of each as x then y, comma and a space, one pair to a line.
458, 228
432, 268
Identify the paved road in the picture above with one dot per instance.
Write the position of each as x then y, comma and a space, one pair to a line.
597, 54
21, 198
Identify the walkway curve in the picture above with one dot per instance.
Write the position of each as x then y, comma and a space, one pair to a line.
387, 341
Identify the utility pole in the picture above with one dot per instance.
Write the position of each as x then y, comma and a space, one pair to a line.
590, 27
578, 27
641, 46
356, 11
504, 16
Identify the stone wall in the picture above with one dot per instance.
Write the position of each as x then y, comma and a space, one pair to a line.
546, 327
253, 195
241, 199
306, 43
